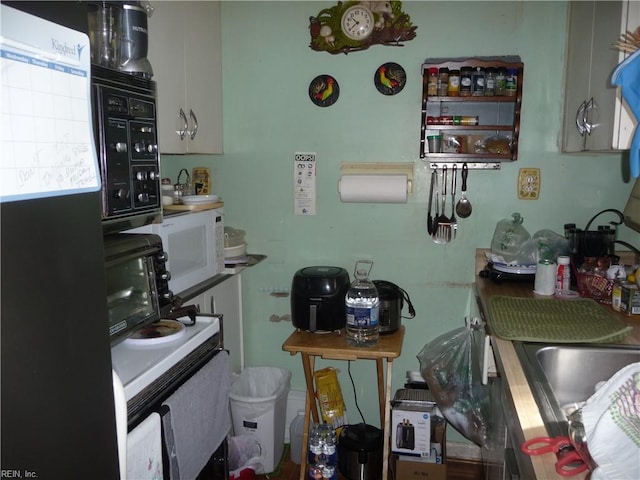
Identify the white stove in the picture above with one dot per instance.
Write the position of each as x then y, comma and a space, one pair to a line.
139, 366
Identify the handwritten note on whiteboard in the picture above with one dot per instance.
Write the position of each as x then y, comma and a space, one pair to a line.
46, 138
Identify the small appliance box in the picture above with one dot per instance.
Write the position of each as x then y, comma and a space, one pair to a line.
411, 423
414, 468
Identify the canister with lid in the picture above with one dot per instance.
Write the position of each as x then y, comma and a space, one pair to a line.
466, 82
454, 83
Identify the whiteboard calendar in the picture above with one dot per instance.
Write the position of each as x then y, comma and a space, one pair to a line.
46, 141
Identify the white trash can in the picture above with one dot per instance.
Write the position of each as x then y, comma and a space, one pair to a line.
258, 399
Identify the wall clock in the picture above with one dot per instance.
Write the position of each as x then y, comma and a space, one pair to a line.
356, 25
357, 22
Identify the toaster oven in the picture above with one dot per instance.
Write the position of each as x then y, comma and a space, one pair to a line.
137, 282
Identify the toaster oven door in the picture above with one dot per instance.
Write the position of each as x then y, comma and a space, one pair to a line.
132, 297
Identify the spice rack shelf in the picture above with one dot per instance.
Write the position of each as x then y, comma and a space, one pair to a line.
469, 120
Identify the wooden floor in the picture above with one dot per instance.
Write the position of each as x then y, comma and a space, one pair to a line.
457, 469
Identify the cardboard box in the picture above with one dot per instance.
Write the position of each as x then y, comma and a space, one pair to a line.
411, 422
630, 299
413, 468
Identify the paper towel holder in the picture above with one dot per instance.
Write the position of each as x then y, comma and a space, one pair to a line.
373, 168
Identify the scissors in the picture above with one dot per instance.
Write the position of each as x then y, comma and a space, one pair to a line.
569, 461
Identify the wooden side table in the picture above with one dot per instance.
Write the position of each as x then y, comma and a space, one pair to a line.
333, 346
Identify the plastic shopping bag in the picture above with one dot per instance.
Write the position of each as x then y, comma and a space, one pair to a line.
451, 366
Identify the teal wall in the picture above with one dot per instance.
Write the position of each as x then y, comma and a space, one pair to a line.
268, 116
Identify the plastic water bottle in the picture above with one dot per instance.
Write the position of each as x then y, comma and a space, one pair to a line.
322, 459
296, 430
362, 308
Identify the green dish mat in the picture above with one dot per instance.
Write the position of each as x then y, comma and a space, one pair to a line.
581, 320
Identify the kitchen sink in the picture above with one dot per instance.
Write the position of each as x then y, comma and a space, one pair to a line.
563, 376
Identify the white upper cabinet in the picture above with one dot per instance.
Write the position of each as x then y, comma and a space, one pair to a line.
593, 115
186, 56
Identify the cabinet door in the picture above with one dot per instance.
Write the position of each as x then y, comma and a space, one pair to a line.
624, 121
185, 53
226, 299
203, 75
593, 27
167, 54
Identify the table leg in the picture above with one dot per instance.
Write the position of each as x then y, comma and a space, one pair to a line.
387, 421
308, 363
381, 397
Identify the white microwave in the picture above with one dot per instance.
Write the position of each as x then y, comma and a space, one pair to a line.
194, 243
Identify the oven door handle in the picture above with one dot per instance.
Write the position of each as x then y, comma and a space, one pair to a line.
189, 311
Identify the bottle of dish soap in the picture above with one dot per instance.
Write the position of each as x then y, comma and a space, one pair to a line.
508, 238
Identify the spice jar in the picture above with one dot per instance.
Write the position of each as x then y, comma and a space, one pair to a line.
453, 89
466, 81
478, 82
490, 82
443, 81
501, 78
511, 82
432, 82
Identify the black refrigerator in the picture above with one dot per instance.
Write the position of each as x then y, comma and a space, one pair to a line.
57, 406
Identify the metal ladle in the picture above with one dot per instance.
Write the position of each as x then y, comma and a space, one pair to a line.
463, 207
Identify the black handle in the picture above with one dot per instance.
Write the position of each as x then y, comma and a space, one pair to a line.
429, 218
465, 174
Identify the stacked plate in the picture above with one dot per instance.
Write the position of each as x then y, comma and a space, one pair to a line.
200, 199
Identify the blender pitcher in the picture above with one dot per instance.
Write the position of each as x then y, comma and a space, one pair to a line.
104, 33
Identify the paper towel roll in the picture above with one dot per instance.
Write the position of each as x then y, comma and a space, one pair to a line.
373, 188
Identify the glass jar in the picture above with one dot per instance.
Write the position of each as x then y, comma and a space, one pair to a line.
501, 78
443, 81
478, 82
466, 85
432, 82
453, 89
511, 82
490, 82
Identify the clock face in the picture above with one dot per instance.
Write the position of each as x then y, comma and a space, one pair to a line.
357, 22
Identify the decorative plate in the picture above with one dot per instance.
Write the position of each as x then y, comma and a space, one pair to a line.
324, 90
390, 78
162, 331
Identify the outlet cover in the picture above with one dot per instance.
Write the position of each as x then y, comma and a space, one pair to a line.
529, 183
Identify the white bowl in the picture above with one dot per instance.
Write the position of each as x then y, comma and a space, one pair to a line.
235, 251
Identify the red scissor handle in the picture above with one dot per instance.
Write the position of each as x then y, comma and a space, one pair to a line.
540, 445
570, 463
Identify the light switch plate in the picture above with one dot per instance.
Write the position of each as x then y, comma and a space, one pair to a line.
529, 183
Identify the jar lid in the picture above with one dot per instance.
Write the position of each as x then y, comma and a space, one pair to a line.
466, 69
444, 70
433, 70
454, 72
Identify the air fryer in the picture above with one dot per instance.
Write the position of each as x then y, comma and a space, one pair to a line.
406, 435
317, 298
392, 299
